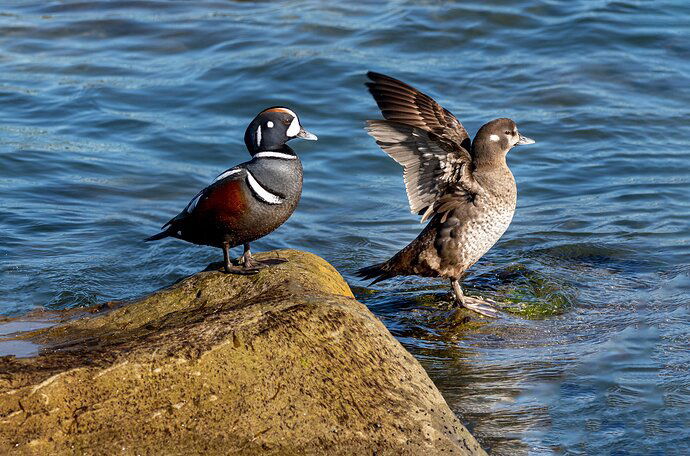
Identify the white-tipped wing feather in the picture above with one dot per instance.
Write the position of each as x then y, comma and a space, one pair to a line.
428, 141
432, 166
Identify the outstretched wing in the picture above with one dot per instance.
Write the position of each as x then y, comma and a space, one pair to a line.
431, 167
428, 141
400, 102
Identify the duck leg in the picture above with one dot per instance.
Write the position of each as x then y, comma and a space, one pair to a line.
250, 262
228, 268
478, 305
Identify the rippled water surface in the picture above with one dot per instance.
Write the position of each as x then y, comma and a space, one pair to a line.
115, 113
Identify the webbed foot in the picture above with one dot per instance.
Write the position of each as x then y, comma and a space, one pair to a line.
248, 261
241, 270
481, 306
229, 268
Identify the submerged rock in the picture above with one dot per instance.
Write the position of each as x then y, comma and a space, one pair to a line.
282, 362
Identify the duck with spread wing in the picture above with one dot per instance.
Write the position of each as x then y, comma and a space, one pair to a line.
464, 187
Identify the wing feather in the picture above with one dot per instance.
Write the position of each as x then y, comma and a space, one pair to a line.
227, 175
403, 103
432, 168
428, 141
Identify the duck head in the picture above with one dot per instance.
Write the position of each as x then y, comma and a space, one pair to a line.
495, 139
272, 128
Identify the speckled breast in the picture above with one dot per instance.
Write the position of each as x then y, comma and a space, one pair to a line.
467, 235
478, 234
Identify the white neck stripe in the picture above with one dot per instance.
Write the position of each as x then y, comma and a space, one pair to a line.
258, 136
269, 154
261, 192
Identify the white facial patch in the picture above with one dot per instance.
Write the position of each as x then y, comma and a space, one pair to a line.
227, 173
275, 155
294, 128
258, 136
262, 193
494, 138
269, 124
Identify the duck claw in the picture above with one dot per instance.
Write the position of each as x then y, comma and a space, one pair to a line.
254, 264
240, 270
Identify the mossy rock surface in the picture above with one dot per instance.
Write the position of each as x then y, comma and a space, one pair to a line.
282, 362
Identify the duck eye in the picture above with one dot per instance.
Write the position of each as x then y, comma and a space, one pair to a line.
508, 132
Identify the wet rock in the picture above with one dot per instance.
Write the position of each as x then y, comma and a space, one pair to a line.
282, 362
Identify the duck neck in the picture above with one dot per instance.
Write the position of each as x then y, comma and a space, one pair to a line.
484, 158
283, 149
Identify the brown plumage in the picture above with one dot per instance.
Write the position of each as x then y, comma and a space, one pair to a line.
463, 186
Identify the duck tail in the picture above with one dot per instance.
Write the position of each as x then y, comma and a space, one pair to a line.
378, 272
161, 235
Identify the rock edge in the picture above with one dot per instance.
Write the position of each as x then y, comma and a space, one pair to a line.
282, 362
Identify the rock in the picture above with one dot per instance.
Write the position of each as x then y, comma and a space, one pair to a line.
282, 362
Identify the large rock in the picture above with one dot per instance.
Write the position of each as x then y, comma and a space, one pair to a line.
283, 362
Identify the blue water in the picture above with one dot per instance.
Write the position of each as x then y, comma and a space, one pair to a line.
115, 113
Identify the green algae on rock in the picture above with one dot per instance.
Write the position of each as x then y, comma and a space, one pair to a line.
283, 362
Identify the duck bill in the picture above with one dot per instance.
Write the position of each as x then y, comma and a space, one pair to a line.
524, 140
304, 134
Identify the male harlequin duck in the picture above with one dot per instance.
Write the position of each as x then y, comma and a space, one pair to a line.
250, 200
463, 186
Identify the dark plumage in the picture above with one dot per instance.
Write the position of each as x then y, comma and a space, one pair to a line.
252, 199
464, 187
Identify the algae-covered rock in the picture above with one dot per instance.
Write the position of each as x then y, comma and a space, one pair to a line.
282, 362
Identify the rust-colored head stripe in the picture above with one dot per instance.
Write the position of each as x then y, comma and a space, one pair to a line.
286, 111
282, 110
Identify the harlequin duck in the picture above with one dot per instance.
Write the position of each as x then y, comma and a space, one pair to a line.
464, 187
250, 200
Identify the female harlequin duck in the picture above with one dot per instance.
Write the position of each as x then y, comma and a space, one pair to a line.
463, 186
250, 200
